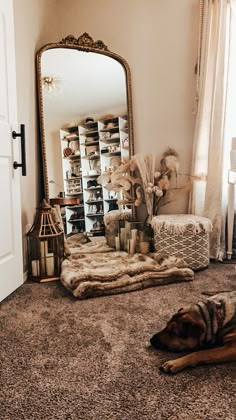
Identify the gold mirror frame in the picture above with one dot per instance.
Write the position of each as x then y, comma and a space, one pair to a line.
84, 43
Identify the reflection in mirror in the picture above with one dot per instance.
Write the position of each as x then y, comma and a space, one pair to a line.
86, 127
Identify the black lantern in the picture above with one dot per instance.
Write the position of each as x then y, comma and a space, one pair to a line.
45, 242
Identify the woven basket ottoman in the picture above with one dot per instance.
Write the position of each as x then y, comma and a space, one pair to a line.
183, 235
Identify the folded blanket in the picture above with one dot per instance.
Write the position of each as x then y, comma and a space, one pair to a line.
96, 274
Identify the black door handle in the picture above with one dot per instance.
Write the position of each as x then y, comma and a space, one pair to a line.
23, 158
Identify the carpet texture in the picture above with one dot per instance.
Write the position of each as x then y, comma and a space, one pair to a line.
64, 358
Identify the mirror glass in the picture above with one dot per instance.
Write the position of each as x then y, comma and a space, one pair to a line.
86, 126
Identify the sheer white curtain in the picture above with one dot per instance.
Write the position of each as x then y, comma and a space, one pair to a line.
212, 135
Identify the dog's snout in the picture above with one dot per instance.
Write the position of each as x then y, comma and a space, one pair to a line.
155, 342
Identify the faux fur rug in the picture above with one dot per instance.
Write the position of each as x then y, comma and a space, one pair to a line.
80, 243
97, 274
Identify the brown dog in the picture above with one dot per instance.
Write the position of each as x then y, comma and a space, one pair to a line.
209, 327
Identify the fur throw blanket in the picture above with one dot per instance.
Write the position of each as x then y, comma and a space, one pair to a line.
97, 274
80, 243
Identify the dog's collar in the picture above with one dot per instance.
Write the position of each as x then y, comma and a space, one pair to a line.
213, 316
219, 315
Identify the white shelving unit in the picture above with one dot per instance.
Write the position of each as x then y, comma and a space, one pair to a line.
87, 151
74, 221
114, 147
91, 169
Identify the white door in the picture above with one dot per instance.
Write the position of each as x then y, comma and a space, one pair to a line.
11, 263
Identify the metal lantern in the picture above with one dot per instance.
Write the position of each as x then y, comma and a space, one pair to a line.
45, 242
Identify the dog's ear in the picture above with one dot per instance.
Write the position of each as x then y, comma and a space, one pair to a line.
192, 329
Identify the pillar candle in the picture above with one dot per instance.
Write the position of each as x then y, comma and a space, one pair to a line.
131, 247
134, 236
117, 241
50, 264
35, 267
44, 248
134, 233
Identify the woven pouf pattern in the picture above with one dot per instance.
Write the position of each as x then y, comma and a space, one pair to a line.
183, 235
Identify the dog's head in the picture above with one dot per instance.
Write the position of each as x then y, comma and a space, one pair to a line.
184, 331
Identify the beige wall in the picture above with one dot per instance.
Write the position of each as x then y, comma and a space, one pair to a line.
32, 30
158, 38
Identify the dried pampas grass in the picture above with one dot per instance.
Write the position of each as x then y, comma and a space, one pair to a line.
169, 161
169, 164
123, 182
104, 178
136, 179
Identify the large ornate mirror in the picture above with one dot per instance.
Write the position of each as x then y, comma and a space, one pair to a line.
86, 129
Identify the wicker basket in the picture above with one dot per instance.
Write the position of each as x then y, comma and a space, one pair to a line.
183, 235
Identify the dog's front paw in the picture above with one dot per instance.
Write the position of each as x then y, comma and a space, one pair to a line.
172, 366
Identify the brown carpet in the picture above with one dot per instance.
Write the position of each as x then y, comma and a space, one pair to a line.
62, 358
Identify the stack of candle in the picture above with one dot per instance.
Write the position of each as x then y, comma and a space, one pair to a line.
133, 237
127, 240
44, 266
